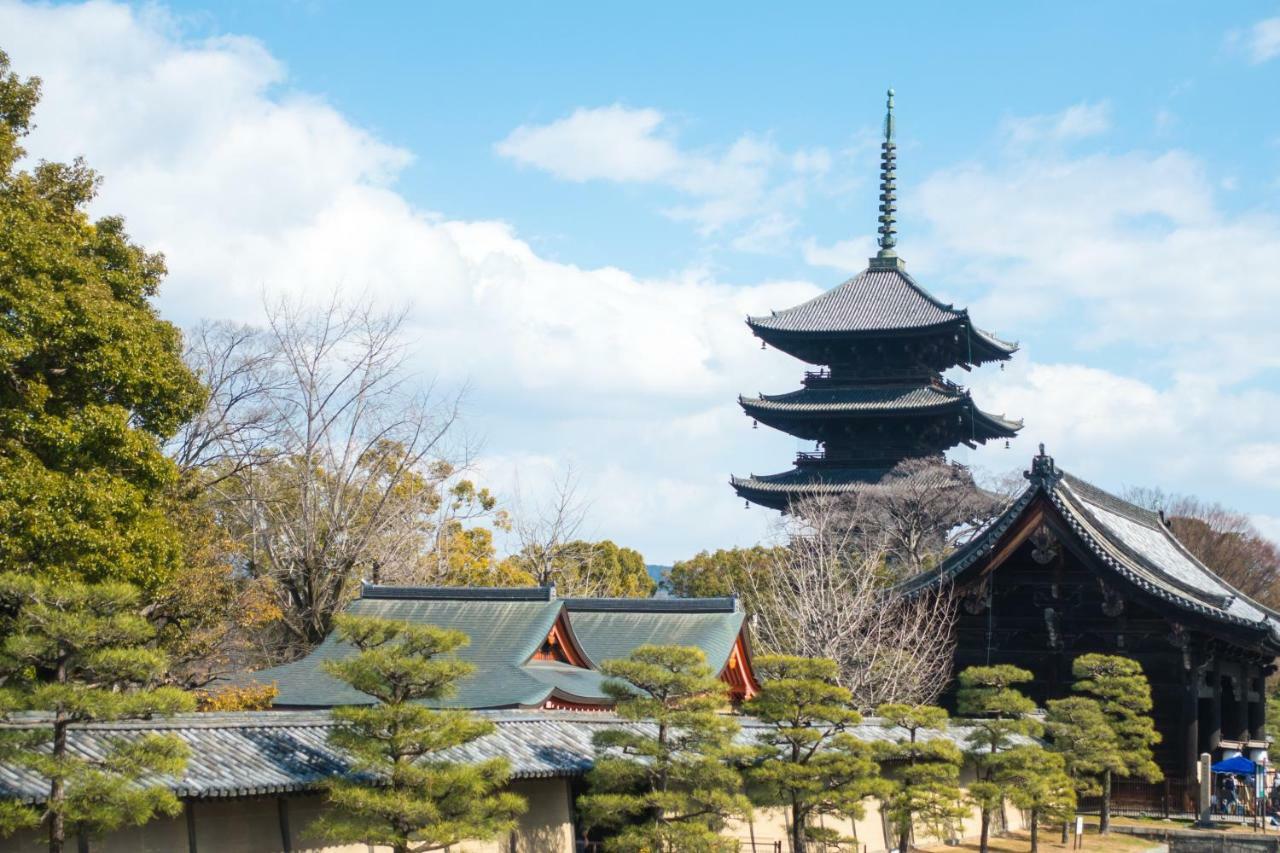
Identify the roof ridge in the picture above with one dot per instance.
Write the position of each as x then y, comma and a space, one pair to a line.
458, 593
710, 604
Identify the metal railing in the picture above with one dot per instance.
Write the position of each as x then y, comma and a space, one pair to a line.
1167, 799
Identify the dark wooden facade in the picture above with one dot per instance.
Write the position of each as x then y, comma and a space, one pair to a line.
1070, 570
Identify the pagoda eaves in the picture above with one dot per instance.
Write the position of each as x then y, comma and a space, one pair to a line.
885, 342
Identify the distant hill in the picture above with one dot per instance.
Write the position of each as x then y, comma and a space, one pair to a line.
656, 572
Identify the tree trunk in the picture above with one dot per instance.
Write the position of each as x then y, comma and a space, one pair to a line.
904, 840
1065, 825
798, 841
1035, 830
57, 824
1104, 818
986, 830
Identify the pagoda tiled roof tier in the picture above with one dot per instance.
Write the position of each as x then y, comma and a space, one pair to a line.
1129, 542
776, 491
878, 303
873, 401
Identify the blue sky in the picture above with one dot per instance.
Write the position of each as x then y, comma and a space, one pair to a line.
579, 203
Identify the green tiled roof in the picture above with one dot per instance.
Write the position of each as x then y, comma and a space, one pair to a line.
506, 628
606, 635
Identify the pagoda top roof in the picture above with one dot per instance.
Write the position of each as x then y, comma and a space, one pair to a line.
875, 300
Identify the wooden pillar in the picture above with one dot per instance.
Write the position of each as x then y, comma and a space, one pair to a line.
1240, 725
190, 810
1257, 687
1215, 724
1190, 728
286, 838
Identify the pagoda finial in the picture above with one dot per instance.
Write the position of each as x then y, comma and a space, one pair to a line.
887, 258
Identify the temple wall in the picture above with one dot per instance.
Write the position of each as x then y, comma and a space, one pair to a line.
252, 825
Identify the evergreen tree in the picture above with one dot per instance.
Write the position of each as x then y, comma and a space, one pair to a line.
1036, 782
1081, 734
79, 653
924, 772
1123, 694
810, 763
92, 382
998, 714
668, 783
407, 796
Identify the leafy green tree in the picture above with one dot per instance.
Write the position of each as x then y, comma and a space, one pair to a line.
1082, 735
581, 568
810, 763
80, 653
408, 796
92, 382
1124, 695
1037, 782
727, 571
998, 714
668, 782
924, 772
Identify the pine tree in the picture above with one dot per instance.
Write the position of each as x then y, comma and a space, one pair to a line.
1124, 695
669, 782
924, 772
998, 714
406, 796
79, 653
810, 763
1036, 781
1081, 734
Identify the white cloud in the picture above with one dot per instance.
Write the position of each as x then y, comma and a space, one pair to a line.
1128, 248
251, 190
609, 143
1193, 435
1261, 42
1075, 122
844, 255
751, 183
1269, 525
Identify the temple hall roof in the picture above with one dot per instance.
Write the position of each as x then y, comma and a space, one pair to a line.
1129, 540
258, 753
506, 628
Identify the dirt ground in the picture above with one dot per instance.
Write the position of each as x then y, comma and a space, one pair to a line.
1051, 842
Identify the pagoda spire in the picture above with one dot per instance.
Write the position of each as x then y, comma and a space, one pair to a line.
887, 257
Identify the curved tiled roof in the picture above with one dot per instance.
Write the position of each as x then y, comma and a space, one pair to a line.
1129, 540
873, 300
506, 627
810, 481
879, 398
824, 402
257, 753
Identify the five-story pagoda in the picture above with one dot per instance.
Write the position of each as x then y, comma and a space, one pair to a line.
882, 343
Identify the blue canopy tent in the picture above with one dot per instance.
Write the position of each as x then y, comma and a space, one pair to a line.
1237, 764
1240, 766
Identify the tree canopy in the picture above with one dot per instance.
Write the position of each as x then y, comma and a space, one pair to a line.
92, 381
81, 653
809, 763
673, 786
405, 794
